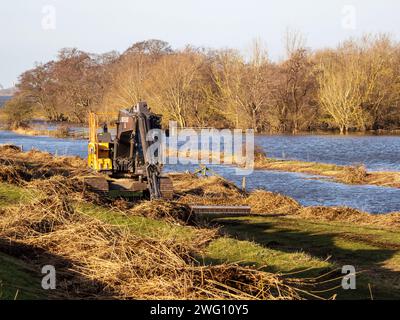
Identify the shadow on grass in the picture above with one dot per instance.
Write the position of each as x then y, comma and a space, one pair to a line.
385, 284
69, 284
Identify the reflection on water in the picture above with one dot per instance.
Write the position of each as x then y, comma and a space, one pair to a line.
306, 189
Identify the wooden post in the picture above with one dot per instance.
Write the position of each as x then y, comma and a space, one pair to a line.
244, 184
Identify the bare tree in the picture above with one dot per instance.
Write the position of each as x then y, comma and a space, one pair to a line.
242, 86
38, 87
355, 86
358, 83
175, 85
296, 85
18, 111
127, 84
227, 72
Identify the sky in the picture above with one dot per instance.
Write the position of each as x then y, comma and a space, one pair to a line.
32, 31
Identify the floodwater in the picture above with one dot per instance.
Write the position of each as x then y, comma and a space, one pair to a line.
53, 145
376, 152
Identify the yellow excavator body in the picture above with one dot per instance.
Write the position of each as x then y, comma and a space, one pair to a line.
99, 156
122, 166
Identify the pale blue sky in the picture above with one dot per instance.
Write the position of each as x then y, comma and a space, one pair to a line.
105, 25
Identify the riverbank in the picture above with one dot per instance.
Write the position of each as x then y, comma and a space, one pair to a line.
352, 175
356, 174
58, 132
43, 205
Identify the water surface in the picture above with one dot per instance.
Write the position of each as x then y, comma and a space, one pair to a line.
376, 152
307, 189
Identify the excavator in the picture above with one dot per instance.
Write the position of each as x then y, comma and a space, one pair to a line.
124, 166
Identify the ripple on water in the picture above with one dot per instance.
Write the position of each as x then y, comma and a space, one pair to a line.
307, 189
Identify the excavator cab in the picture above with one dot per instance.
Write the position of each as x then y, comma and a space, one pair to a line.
124, 160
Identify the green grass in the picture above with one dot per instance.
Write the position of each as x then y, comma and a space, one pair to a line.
140, 226
285, 245
17, 281
375, 252
10, 194
220, 250
253, 254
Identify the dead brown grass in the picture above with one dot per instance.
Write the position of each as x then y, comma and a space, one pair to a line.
349, 215
265, 202
356, 174
166, 210
213, 190
217, 191
97, 260
60, 132
19, 167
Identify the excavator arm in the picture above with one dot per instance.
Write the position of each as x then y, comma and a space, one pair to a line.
152, 169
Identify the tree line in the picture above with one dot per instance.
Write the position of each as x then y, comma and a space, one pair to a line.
352, 87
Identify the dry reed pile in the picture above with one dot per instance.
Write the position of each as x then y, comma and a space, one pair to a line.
214, 190
265, 202
206, 190
342, 214
18, 167
217, 191
97, 260
354, 174
166, 210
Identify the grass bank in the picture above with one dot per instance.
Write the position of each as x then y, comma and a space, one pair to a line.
59, 132
18, 280
356, 174
155, 250
374, 252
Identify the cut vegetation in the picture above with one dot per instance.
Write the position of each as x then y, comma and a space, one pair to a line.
115, 249
356, 174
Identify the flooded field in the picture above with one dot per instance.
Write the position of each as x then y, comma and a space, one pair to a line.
377, 152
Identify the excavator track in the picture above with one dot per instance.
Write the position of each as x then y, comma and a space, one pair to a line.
127, 187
